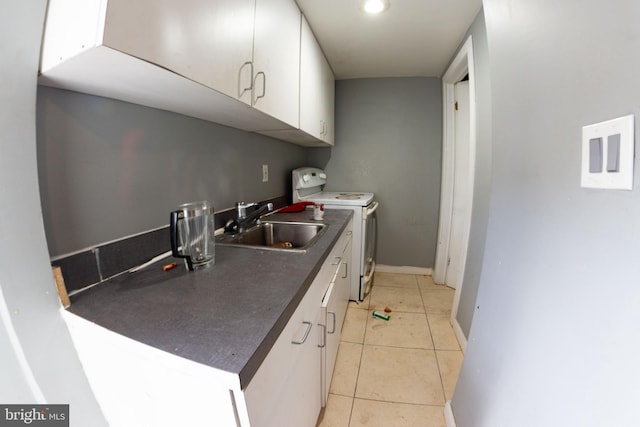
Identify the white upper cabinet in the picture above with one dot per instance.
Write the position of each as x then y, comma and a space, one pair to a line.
317, 89
317, 96
100, 47
237, 63
276, 59
208, 41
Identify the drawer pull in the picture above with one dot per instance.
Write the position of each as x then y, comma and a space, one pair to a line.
306, 334
324, 335
337, 260
333, 316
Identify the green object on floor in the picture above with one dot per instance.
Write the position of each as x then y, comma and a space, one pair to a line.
381, 315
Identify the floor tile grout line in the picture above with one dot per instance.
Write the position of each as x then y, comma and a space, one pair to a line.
355, 390
428, 323
405, 311
342, 395
400, 403
399, 347
435, 352
444, 392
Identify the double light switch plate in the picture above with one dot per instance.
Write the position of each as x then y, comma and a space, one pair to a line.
607, 154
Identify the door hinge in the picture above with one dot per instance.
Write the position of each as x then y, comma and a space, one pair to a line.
456, 105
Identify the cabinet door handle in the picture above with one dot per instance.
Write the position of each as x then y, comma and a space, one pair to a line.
306, 334
337, 260
333, 316
346, 270
264, 85
324, 335
241, 90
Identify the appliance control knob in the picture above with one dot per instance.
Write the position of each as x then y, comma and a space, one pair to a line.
323, 175
306, 177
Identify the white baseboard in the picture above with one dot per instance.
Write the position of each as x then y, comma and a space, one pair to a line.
404, 269
448, 415
462, 340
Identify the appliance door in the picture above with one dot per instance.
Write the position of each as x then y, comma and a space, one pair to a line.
369, 230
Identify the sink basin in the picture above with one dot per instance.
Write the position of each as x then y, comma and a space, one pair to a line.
272, 235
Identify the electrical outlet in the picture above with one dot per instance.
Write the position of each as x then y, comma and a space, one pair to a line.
265, 173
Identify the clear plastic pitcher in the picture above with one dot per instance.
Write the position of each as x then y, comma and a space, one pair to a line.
192, 234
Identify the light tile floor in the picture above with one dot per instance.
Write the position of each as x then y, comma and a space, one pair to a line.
398, 372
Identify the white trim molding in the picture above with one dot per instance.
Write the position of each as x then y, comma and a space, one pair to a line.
462, 64
403, 269
448, 415
457, 330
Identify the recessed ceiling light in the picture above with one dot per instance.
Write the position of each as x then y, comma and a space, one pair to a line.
375, 6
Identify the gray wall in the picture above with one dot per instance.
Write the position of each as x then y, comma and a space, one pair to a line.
555, 339
109, 169
482, 185
39, 363
389, 141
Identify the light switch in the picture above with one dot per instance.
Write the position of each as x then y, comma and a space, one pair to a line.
613, 153
607, 154
595, 155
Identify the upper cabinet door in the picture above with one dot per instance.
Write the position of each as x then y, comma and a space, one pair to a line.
317, 89
276, 58
207, 41
328, 102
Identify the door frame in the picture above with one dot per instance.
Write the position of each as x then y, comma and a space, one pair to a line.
461, 65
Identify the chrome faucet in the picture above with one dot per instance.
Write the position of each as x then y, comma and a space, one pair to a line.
244, 221
241, 209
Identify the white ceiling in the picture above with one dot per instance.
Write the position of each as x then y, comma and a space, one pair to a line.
412, 38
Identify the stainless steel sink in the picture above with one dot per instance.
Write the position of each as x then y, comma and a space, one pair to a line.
279, 236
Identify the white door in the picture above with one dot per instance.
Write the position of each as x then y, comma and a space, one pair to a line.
462, 192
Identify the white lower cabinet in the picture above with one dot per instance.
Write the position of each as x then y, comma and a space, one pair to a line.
289, 387
139, 385
286, 388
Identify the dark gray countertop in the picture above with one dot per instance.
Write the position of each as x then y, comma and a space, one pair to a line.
227, 316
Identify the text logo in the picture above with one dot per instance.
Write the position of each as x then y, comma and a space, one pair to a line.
34, 415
